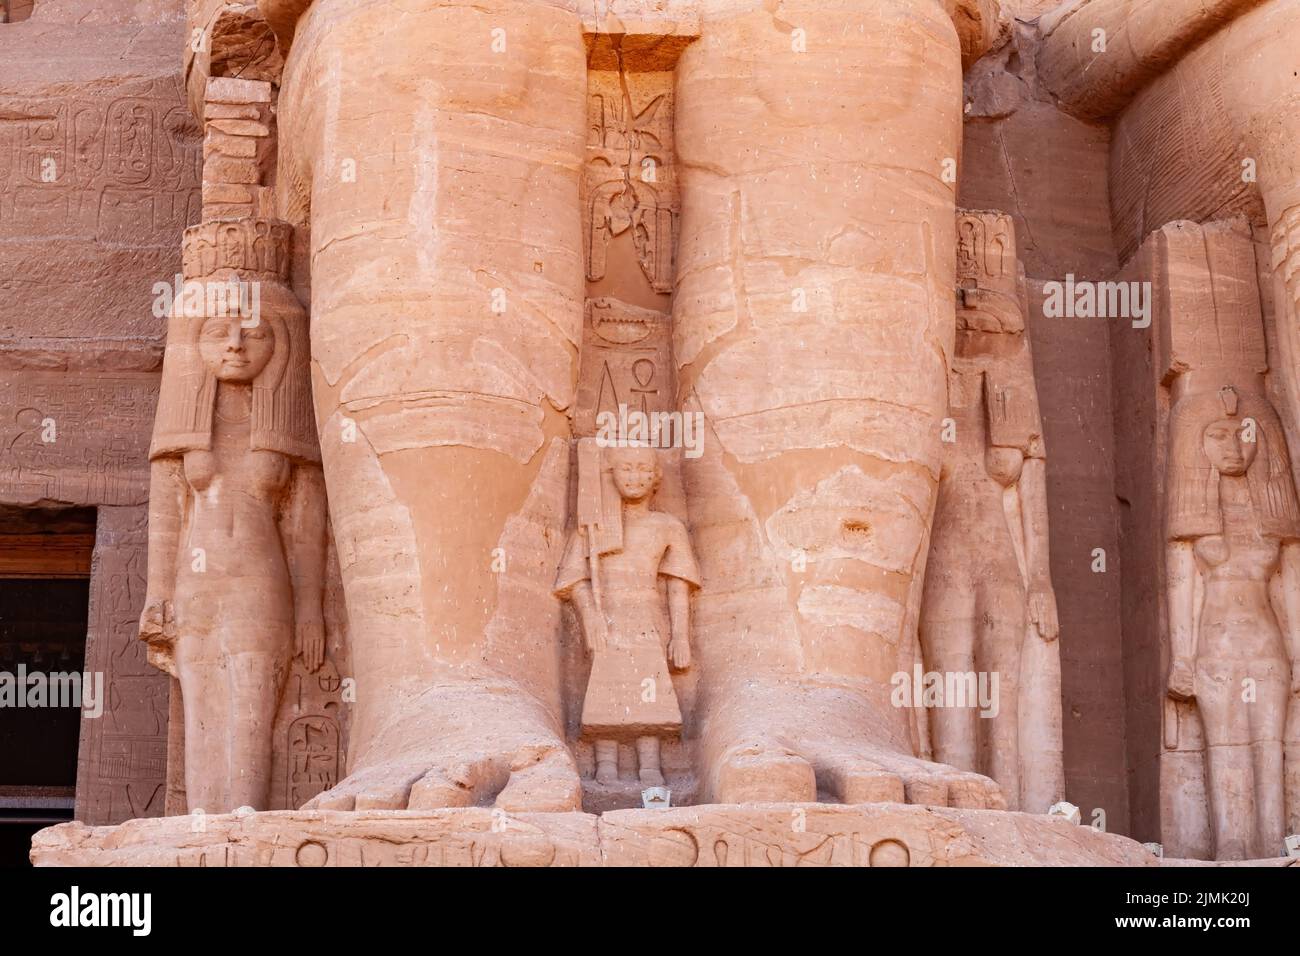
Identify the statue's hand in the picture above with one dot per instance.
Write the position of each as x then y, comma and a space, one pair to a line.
679, 653
309, 642
157, 623
1042, 611
1182, 679
597, 632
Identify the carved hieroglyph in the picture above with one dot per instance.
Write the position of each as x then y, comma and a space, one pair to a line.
814, 834
626, 377
612, 570
99, 165
630, 184
122, 759
989, 610
237, 509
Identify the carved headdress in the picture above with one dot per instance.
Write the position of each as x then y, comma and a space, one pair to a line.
247, 250
1193, 480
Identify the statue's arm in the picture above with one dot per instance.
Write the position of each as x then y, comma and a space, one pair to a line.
1290, 582
679, 618
1180, 575
167, 492
166, 510
682, 571
302, 528
573, 583
593, 622
1033, 499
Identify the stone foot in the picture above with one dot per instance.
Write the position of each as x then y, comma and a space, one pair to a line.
768, 772
462, 745
827, 747
650, 778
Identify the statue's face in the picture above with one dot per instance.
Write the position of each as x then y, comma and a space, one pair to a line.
234, 353
635, 472
1227, 450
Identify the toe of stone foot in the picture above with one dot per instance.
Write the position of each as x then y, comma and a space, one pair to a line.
531, 779
767, 773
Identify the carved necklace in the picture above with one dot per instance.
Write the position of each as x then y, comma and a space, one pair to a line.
242, 403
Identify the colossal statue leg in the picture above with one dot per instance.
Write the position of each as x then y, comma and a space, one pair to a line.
813, 322
433, 151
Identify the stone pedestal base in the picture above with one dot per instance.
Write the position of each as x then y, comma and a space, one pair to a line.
755, 835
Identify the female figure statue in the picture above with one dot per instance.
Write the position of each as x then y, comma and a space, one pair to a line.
1233, 585
236, 509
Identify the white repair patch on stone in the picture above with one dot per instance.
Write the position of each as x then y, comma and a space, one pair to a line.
829, 605
857, 516
455, 418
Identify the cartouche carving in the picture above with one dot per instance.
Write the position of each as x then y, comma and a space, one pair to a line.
1233, 585
989, 604
237, 513
611, 572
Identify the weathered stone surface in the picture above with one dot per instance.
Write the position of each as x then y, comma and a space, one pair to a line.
758, 835
121, 768
396, 565
1098, 53
99, 173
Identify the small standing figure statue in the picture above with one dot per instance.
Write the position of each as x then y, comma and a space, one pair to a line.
1233, 586
989, 606
237, 515
612, 571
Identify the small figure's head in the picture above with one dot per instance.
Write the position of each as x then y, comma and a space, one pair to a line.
235, 353
635, 470
1228, 453
1228, 433
236, 321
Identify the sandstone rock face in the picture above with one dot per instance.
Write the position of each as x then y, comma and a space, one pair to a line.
606, 432
763, 835
100, 163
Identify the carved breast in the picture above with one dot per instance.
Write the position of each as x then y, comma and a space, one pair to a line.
268, 473
200, 469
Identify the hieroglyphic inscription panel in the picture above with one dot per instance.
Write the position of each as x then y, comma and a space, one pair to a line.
122, 761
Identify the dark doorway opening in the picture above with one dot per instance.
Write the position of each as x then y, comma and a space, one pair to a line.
44, 601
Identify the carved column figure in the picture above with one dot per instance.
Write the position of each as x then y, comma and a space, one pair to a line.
1233, 586
611, 571
236, 507
1230, 527
988, 618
